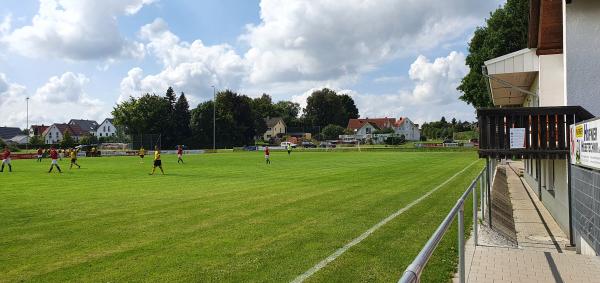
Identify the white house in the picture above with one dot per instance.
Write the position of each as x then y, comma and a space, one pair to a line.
56, 132
363, 128
106, 129
406, 127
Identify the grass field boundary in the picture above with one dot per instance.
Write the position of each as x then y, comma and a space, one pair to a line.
357, 240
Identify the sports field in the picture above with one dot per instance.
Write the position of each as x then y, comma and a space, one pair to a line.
229, 217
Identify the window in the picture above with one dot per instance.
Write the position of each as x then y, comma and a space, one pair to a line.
368, 130
100, 134
109, 128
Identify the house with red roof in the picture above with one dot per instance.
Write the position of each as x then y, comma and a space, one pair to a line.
56, 132
364, 128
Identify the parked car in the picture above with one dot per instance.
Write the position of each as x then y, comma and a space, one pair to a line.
285, 144
308, 145
448, 141
327, 144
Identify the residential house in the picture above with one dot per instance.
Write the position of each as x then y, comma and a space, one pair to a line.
363, 128
539, 90
7, 133
19, 139
88, 126
405, 126
37, 130
275, 126
55, 133
106, 129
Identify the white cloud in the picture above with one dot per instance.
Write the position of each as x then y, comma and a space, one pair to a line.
188, 67
60, 99
436, 82
76, 30
324, 40
433, 94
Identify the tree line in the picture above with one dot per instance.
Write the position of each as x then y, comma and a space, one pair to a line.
443, 129
240, 120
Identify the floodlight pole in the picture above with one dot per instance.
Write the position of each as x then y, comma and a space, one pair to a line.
27, 144
214, 118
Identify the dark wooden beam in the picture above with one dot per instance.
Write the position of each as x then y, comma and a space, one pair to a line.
534, 23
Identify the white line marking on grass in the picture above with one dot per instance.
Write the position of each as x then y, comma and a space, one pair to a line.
366, 234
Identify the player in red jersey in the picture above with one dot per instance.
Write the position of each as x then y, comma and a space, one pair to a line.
40, 154
267, 155
179, 154
6, 159
54, 157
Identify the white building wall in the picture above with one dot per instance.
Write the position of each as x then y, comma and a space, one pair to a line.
551, 80
53, 135
106, 129
582, 49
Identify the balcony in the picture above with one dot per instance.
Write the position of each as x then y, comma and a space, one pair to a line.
539, 132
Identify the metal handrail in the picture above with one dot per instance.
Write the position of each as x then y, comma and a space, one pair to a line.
414, 270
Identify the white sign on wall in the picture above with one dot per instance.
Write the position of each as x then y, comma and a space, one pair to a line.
517, 137
585, 145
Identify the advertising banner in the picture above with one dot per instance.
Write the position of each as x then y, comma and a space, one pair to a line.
584, 148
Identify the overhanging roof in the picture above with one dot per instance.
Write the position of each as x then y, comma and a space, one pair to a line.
512, 72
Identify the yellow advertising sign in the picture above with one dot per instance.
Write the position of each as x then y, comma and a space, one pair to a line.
579, 131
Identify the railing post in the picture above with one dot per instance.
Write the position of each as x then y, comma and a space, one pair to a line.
461, 243
481, 195
475, 211
488, 193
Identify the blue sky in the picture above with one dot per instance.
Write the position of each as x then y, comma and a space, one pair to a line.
77, 58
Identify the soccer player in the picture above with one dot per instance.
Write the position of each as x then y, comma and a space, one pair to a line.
141, 153
157, 162
267, 156
61, 154
73, 153
6, 159
289, 149
179, 154
40, 154
54, 157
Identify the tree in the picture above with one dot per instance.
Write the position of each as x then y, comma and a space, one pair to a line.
263, 106
504, 32
36, 141
325, 106
67, 140
332, 132
288, 111
148, 114
201, 124
171, 97
350, 110
181, 120
236, 121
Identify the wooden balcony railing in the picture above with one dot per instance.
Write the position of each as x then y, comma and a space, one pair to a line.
546, 130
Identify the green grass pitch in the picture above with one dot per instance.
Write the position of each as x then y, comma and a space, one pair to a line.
228, 217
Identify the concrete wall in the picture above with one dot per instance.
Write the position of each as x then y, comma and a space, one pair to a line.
582, 49
551, 80
555, 198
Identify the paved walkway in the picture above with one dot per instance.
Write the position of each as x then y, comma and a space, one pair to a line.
540, 256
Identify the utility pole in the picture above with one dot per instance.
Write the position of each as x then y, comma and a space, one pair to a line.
27, 144
214, 118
